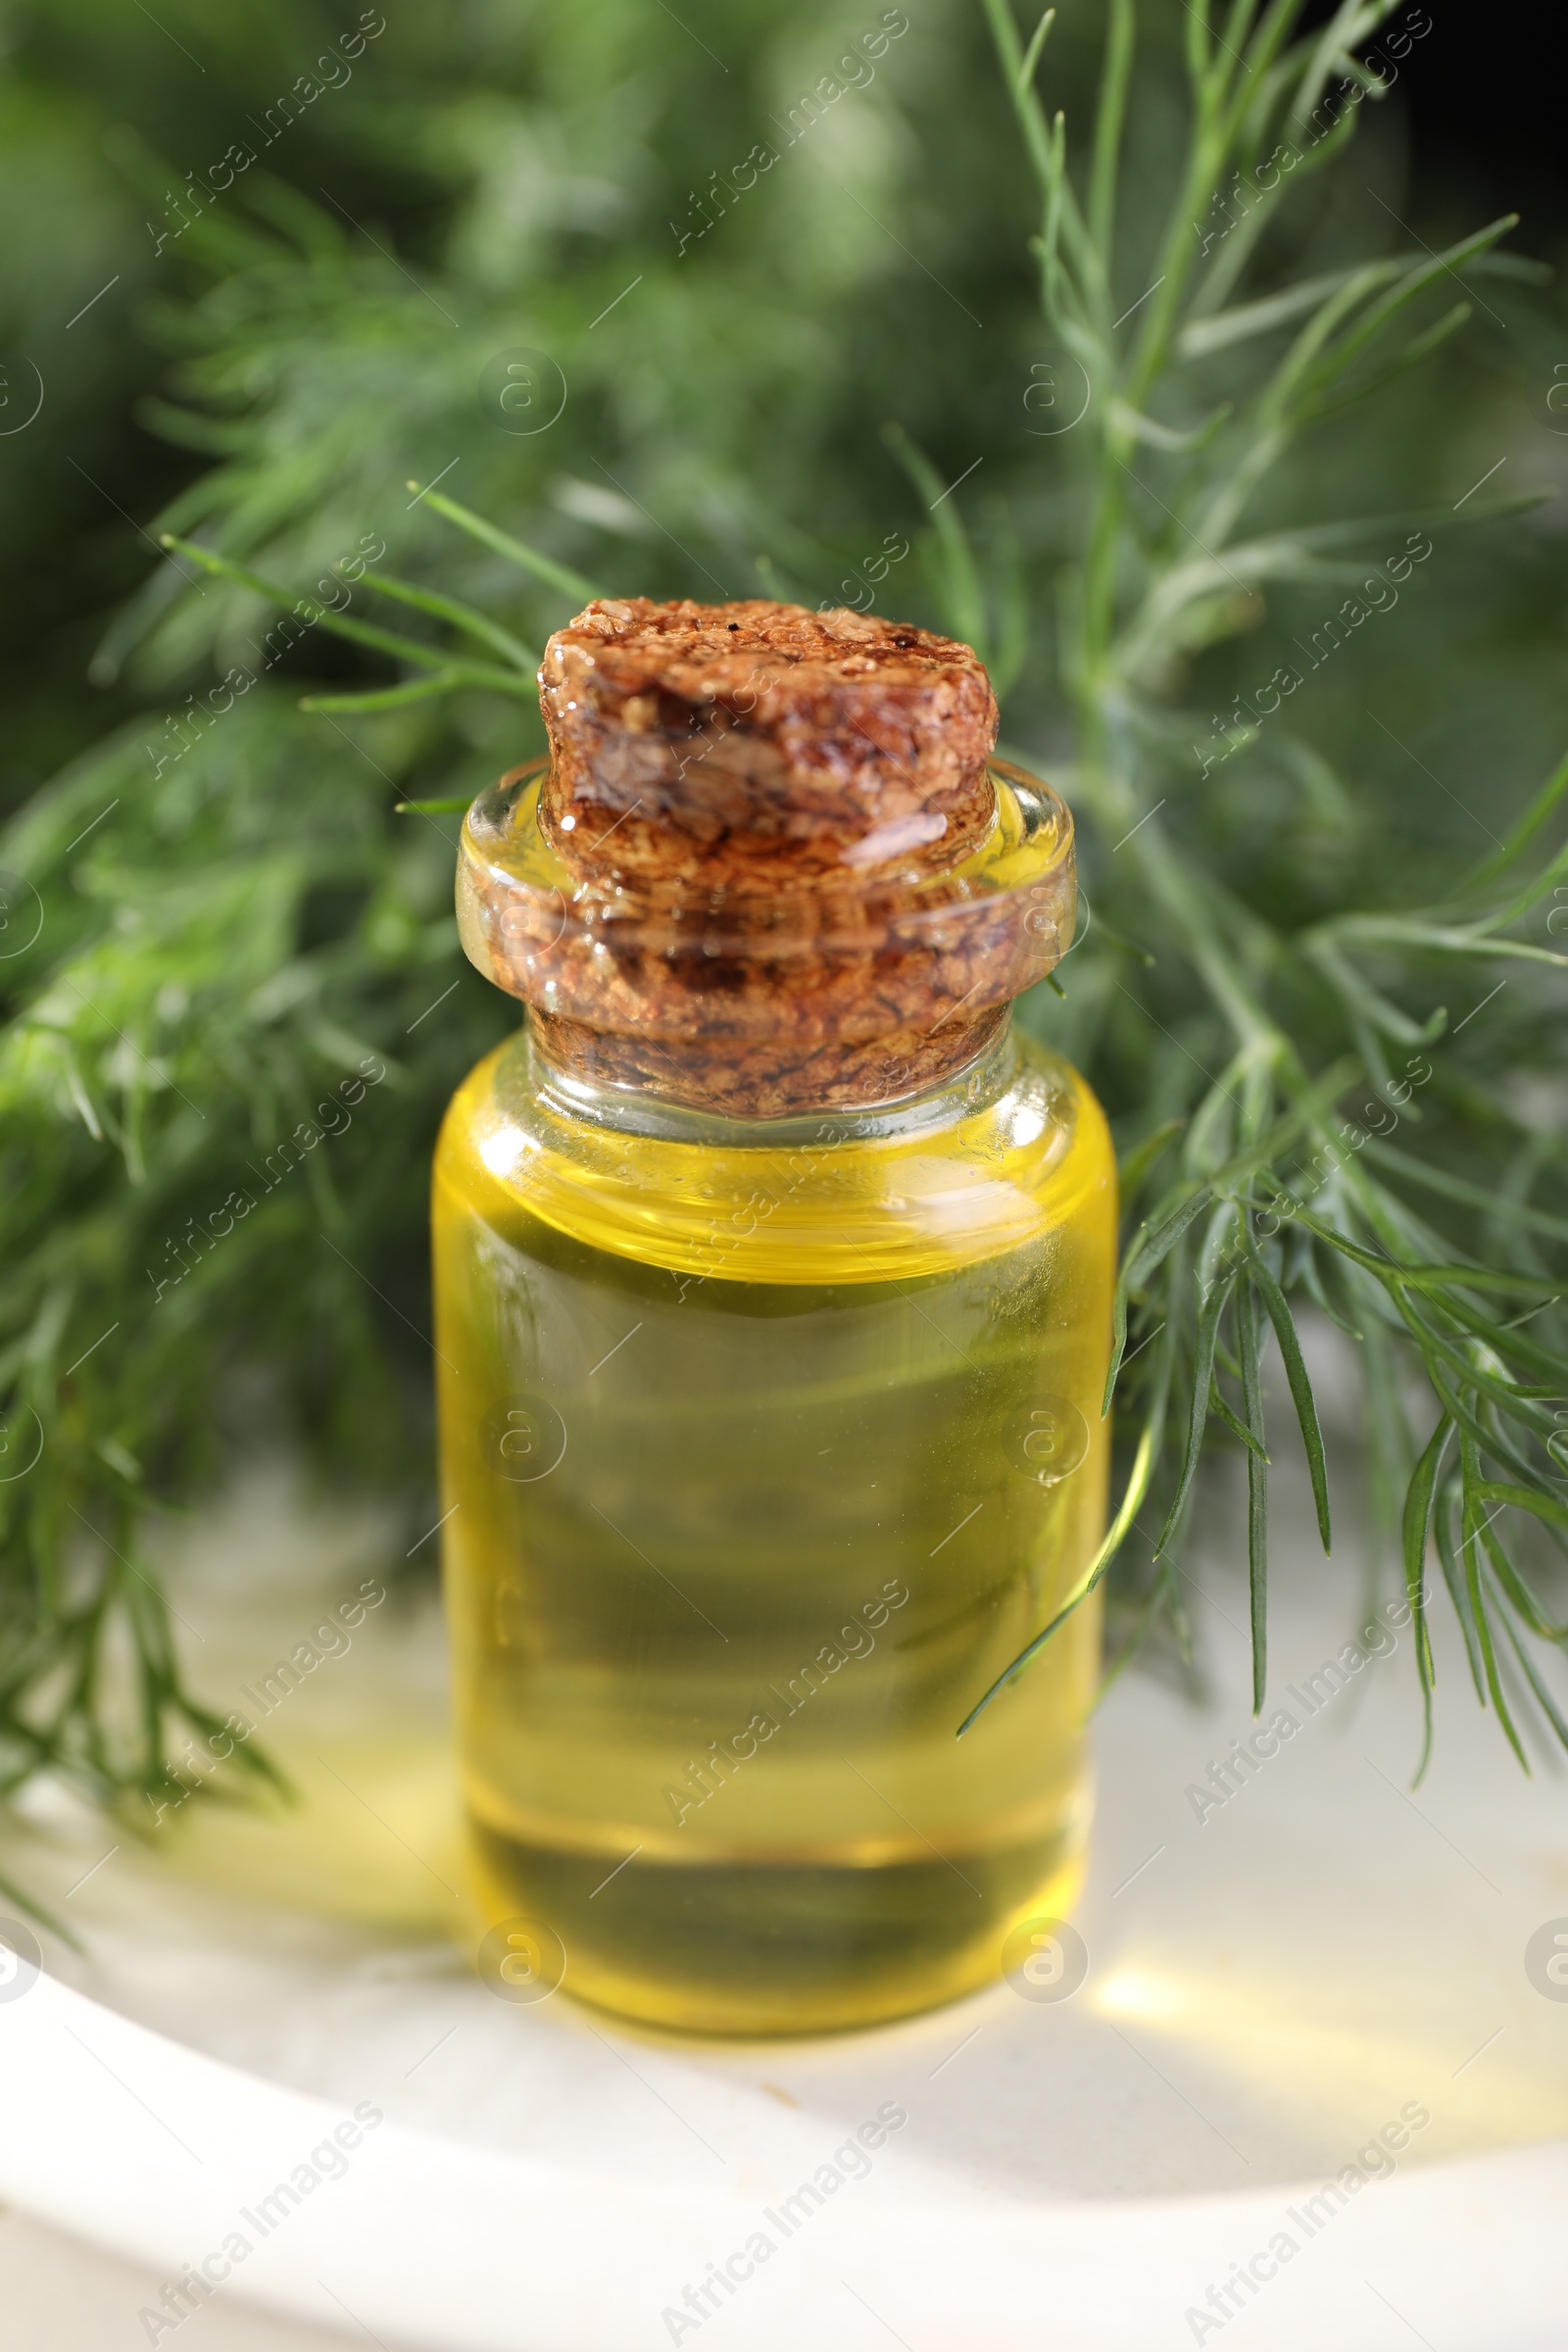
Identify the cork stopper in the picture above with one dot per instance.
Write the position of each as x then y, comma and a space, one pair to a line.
771, 863
759, 746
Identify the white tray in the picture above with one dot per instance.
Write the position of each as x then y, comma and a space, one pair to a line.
1269, 1988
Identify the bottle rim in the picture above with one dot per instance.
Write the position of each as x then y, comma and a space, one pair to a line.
730, 960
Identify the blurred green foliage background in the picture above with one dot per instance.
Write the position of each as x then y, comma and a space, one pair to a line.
210, 923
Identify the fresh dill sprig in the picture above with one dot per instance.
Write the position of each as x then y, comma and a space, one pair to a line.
1320, 1025
1272, 1193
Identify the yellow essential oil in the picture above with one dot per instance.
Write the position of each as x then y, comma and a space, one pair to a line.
771, 1433
764, 1465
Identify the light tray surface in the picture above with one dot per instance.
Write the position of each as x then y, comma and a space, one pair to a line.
1272, 1982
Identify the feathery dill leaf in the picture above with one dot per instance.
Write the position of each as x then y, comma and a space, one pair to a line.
1143, 409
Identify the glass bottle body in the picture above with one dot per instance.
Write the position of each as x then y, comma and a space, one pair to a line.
767, 1445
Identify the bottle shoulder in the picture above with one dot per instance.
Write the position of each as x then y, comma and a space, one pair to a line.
834, 1201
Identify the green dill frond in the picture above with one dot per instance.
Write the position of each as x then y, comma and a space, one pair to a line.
1109, 361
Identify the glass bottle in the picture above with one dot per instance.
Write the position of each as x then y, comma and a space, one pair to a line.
773, 1276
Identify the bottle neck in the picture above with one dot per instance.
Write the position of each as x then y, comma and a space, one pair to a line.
780, 1077
960, 1092
778, 1004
